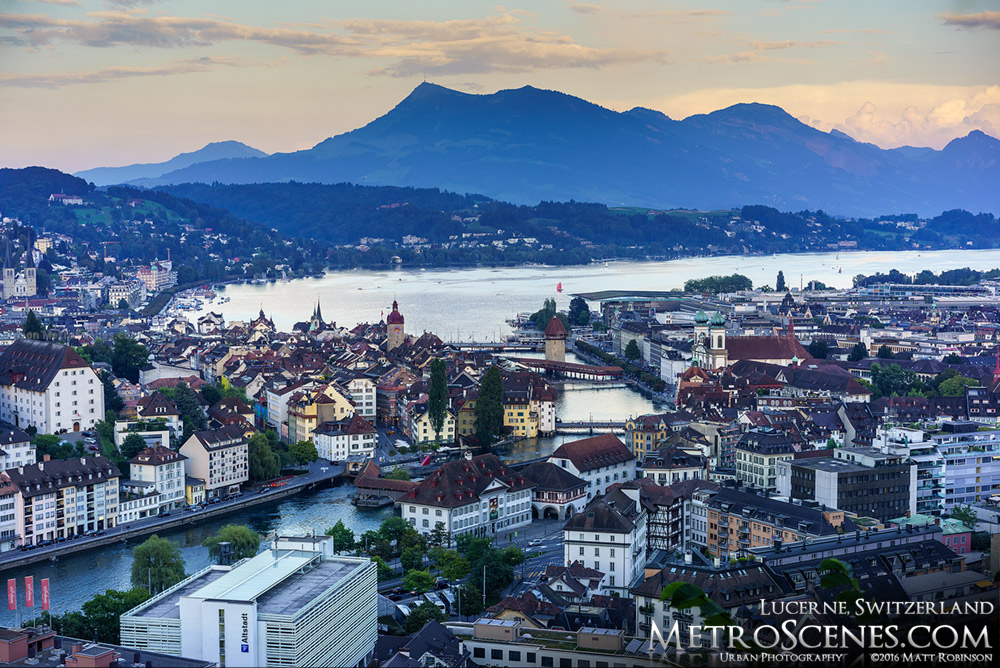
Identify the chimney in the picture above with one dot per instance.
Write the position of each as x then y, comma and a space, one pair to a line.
46, 458
717, 562
907, 514
687, 557
777, 545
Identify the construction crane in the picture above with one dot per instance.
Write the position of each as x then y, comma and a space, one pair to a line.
105, 244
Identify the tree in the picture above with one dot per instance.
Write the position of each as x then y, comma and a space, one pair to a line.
470, 599
423, 613
779, 284
966, 515
632, 351
399, 473
884, 352
893, 381
831, 444
264, 462
439, 535
303, 452
418, 580
33, 328
437, 397
343, 538
188, 405
112, 401
128, 357
953, 359
156, 565
717, 284
243, 541
818, 348
540, 318
858, 352
131, 446
211, 394
579, 312
123, 304
955, 387
411, 559
489, 407
101, 614
385, 571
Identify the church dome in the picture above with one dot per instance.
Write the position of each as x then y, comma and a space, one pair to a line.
395, 318
718, 319
701, 317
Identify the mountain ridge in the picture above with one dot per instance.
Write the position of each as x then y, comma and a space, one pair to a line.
228, 149
528, 144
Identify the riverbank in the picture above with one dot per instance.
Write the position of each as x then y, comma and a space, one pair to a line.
319, 476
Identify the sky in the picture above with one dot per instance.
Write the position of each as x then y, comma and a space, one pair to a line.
88, 83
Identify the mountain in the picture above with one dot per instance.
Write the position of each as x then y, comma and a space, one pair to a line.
221, 150
529, 145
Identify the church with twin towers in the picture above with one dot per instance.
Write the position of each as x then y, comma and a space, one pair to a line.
19, 283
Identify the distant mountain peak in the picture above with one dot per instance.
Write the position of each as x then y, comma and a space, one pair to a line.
217, 150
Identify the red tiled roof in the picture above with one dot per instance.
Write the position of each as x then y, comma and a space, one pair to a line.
460, 483
555, 329
765, 348
594, 452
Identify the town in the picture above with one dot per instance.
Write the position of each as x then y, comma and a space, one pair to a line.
801, 424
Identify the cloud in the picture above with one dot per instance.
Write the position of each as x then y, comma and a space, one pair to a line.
66, 3
791, 44
677, 14
758, 49
876, 58
497, 43
586, 9
988, 20
884, 113
60, 79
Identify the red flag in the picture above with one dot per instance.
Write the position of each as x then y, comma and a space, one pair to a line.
29, 592
12, 594
45, 593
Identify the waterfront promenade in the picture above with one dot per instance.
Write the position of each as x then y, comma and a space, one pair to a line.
321, 473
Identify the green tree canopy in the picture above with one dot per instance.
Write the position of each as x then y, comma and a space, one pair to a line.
955, 387
385, 571
419, 581
423, 613
265, 464
128, 357
412, 558
156, 565
891, 380
399, 473
579, 312
244, 541
953, 359
33, 328
884, 352
966, 515
718, 284
489, 407
131, 446
343, 538
779, 283
303, 452
818, 348
211, 394
632, 352
100, 615
437, 396
470, 599
858, 352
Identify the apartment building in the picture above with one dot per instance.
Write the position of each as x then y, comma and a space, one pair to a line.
674, 464
600, 460
352, 436
16, 448
758, 453
609, 535
64, 497
220, 458
164, 469
478, 495
48, 386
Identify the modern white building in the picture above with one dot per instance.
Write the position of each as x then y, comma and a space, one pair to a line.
336, 441
362, 393
164, 468
16, 448
971, 463
8, 514
48, 386
600, 460
219, 457
294, 604
609, 535
478, 495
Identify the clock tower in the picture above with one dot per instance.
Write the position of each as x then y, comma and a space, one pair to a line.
394, 326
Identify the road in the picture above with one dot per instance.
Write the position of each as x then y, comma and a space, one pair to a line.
318, 471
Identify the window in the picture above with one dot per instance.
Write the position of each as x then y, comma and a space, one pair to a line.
514, 655
529, 657
496, 654
479, 652
547, 661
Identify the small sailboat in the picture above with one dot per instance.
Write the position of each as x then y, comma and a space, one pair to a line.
559, 288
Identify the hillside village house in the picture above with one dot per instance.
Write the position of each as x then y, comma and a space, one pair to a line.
48, 386
220, 458
601, 460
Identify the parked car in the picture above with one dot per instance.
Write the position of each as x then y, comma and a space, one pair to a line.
534, 542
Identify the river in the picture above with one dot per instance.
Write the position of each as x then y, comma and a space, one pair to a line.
464, 304
456, 305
